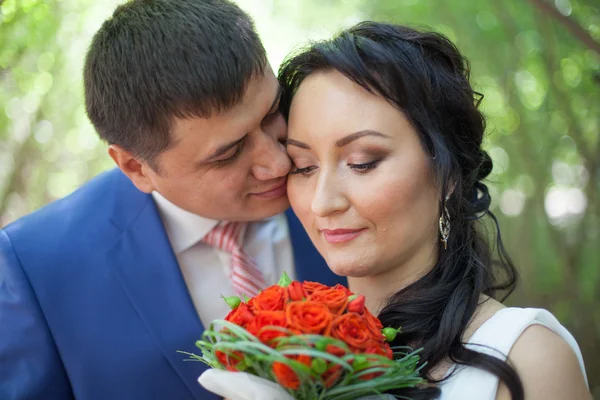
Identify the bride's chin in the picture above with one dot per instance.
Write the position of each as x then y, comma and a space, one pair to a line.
350, 270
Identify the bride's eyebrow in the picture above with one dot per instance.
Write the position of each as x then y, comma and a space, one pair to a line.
357, 135
292, 142
341, 142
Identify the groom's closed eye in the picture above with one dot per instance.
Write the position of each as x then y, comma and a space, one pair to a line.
235, 153
228, 152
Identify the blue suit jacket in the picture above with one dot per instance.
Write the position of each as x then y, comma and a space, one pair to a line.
93, 304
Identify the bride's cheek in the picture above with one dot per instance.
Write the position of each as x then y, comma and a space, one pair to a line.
299, 197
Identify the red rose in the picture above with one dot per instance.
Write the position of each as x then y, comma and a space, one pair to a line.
336, 351
343, 288
357, 305
261, 325
296, 292
331, 376
240, 315
308, 316
229, 360
286, 375
335, 299
270, 299
379, 349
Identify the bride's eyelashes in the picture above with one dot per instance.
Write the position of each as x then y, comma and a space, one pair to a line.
302, 171
364, 168
358, 168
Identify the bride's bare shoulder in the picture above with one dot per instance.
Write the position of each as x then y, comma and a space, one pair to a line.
547, 366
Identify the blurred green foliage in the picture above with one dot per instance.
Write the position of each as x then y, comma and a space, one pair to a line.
537, 63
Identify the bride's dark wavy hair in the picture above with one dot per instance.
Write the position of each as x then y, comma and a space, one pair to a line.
425, 76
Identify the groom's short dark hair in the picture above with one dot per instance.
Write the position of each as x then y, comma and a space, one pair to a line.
158, 59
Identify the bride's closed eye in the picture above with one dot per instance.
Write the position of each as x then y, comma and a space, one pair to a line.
359, 168
302, 171
364, 168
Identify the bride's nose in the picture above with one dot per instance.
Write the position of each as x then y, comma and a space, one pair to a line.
329, 196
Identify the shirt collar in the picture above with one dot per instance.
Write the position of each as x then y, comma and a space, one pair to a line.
183, 228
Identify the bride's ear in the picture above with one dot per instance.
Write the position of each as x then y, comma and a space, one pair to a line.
135, 169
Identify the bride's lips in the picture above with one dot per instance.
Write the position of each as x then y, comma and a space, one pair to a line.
276, 191
341, 235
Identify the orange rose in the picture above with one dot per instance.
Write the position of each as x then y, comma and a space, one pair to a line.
286, 375
261, 325
335, 299
352, 329
240, 315
343, 289
308, 316
270, 299
381, 349
311, 287
374, 325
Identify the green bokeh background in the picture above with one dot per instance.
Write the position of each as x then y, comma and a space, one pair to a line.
536, 61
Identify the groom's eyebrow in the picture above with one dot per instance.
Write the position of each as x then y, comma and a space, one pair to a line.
341, 142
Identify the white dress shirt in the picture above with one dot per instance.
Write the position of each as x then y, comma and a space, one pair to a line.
205, 269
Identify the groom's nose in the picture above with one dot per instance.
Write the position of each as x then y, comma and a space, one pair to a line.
272, 161
329, 196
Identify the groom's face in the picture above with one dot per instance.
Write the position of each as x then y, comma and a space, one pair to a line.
233, 165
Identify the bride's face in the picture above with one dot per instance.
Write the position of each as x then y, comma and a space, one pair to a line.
361, 183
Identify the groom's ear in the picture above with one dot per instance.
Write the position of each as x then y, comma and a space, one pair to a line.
135, 169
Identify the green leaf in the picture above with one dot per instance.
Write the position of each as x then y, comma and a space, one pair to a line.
285, 280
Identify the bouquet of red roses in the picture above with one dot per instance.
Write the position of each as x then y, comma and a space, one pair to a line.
316, 341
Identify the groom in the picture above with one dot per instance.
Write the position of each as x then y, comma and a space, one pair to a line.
99, 290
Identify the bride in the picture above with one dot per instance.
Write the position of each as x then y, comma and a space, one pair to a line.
385, 136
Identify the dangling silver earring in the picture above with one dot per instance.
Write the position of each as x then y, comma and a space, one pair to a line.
445, 224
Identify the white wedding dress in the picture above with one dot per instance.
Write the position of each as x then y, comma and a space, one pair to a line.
498, 334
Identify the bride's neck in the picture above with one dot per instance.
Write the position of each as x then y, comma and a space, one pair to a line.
378, 288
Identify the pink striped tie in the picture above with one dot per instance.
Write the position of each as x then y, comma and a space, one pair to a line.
245, 277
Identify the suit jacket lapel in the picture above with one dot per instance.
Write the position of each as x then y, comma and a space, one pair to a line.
149, 273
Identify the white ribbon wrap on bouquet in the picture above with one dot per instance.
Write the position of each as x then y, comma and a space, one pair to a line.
243, 386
